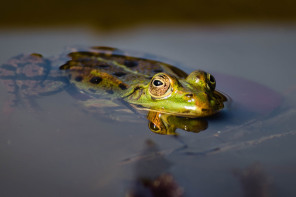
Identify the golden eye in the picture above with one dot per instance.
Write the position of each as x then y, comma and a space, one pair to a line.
212, 81
160, 86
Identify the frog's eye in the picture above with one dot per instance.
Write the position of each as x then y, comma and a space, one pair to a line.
202, 79
212, 81
160, 86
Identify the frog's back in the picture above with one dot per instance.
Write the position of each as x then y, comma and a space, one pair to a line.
109, 71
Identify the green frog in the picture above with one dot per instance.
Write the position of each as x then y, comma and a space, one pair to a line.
106, 73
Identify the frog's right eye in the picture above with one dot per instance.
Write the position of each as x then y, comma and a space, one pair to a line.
160, 86
202, 79
211, 81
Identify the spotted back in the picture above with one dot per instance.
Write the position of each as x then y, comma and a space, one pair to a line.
106, 70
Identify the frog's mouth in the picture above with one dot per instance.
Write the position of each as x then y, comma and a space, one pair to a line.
187, 111
213, 105
210, 105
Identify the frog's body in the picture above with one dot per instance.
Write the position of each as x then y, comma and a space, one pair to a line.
145, 84
104, 74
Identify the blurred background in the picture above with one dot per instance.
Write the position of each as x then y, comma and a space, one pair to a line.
104, 14
229, 36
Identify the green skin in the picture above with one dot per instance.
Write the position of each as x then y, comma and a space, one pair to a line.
187, 96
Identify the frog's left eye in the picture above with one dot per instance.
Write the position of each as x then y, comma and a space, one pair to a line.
160, 86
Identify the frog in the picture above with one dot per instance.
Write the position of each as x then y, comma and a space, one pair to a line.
103, 74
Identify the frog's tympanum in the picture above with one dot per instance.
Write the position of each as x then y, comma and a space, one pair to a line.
172, 98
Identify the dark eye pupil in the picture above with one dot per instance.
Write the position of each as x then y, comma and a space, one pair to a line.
157, 83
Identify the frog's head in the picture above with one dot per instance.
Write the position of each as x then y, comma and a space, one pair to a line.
194, 96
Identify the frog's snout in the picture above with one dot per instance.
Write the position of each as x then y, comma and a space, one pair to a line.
205, 104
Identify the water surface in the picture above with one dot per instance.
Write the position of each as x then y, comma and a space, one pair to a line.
60, 150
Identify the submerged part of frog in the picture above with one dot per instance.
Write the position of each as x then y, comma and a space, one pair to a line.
106, 74
27, 77
145, 84
166, 124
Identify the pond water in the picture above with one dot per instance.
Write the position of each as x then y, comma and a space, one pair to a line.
247, 150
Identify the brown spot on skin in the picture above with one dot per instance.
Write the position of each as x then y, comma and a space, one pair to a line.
122, 86
78, 78
107, 51
36, 55
103, 66
95, 80
104, 48
80, 54
130, 63
119, 74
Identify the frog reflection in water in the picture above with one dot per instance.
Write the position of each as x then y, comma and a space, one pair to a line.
172, 98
